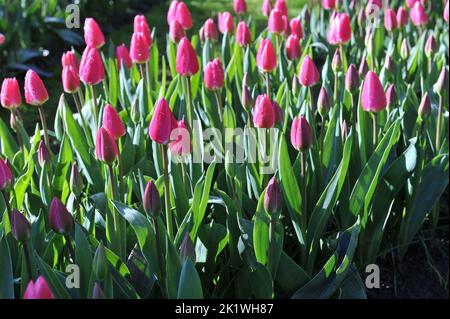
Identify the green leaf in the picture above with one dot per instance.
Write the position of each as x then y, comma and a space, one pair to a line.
6, 273
189, 286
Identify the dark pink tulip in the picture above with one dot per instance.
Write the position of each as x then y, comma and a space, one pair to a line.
176, 31
276, 22
391, 96
210, 30
35, 91
243, 34
263, 113
70, 79
240, 6
91, 66
410, 3
266, 59
425, 106
281, 6
418, 15
279, 116
309, 75
93, 35
6, 176
301, 134
183, 15
430, 46
139, 48
43, 153
162, 123
123, 57
402, 17
323, 102
2, 38
296, 27
373, 96
266, 7
10, 94
226, 24
390, 20
340, 31
172, 12
293, 49
214, 75
187, 62
38, 290
181, 145
151, 201
446, 12
273, 199
329, 4
140, 25
105, 146
70, 58
60, 220
352, 79
20, 226
112, 122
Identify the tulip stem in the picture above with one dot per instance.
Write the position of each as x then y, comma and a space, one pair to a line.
249, 120
19, 137
355, 110
375, 130
190, 111
439, 124
158, 247
94, 105
219, 105
26, 254
271, 241
114, 211
149, 90
83, 122
44, 126
322, 136
70, 247
120, 164
167, 192
267, 84
304, 196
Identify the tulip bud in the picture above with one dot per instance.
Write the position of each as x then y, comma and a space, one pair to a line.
112, 122
336, 63
76, 181
151, 200
446, 12
35, 91
388, 65
140, 25
93, 35
240, 7
61, 221
187, 249
139, 48
6, 176
20, 226
181, 145
97, 292
92, 71
390, 20
214, 75
176, 32
135, 114
293, 49
361, 17
430, 46
123, 57
13, 121
281, 6
328, 4
201, 34
70, 79
43, 153
340, 31
442, 82
418, 15
263, 113
243, 34
278, 112
105, 146
162, 123
273, 199
276, 23
187, 62
38, 290
323, 102
344, 130
296, 27
210, 30
226, 24
100, 264
301, 134
246, 99
309, 75
363, 68
373, 96
402, 17
2, 38
266, 58
70, 58
183, 15
10, 94
404, 50
171, 13
391, 97
266, 7
425, 106
351, 79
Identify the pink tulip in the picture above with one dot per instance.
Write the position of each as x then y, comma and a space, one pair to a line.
35, 91
6, 176
187, 62
446, 12
91, 67
373, 97
390, 20
181, 145
139, 49
430, 46
70, 58
140, 25
112, 122
301, 134
183, 16
210, 30
276, 22
273, 198
105, 147
402, 17
162, 123
60, 220
267, 7
281, 6
43, 154
2, 38
70, 79
172, 12
176, 31
418, 15
309, 75
38, 290
329, 4
351, 79
214, 75
20, 226
266, 59
240, 6
10, 94
278, 112
263, 114
243, 34
296, 27
226, 24
151, 200
411, 3
293, 49
340, 31
93, 35
123, 57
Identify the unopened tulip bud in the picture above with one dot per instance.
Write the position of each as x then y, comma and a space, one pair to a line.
240, 7
38, 290
243, 34
263, 113
281, 6
266, 7
35, 91
363, 68
6, 176
181, 143
112, 122
97, 292
361, 17
273, 199
183, 16
446, 12
328, 4
214, 75
139, 48
404, 50
140, 25
210, 30
246, 98
43, 153
70, 80
425, 106
61, 221
226, 23
293, 49
351, 79
418, 14
430, 46
135, 114
70, 58
93, 35
340, 31
187, 249
176, 32
105, 146
276, 23
266, 58
278, 112
10, 94
76, 181
388, 64
162, 123
344, 130
402, 17
442, 82
309, 75
296, 27
100, 264
20, 226
336, 63
390, 20
92, 71
123, 57
301, 134
2, 38
323, 102
373, 96
151, 200
391, 96
187, 62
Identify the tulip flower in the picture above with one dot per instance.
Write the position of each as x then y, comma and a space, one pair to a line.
91, 67
309, 75
70, 79
123, 57
273, 198
20, 226
404, 49
187, 62
266, 7
328, 4
388, 64
340, 31
301, 134
183, 16
112, 122
430, 46
181, 145
246, 98
76, 181
278, 112
6, 176
296, 27
263, 113
363, 68
276, 22
266, 58
323, 102
176, 32
240, 7
352, 79
61, 221
439, 87
214, 75
410, 3
38, 290
10, 94
418, 15
402, 17
391, 96
336, 62
446, 12
226, 24
171, 13
162, 123
139, 48
105, 147
43, 153
281, 6
93, 35
70, 58
243, 34
2, 38
151, 200
210, 30
390, 20
425, 106
140, 25
373, 96
293, 49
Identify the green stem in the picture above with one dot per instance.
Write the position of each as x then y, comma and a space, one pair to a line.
439, 124
304, 196
70, 247
158, 248
120, 163
94, 105
267, 84
116, 241
190, 113
271, 241
149, 89
167, 192
375, 129
44, 126
26, 254
219, 105
83, 122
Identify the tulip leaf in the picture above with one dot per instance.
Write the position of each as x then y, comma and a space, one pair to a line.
190, 286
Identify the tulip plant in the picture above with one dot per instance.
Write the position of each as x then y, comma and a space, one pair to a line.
235, 162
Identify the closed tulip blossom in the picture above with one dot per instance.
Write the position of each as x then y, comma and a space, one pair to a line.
176, 32
240, 7
91, 71
186, 61
301, 134
296, 27
267, 7
273, 198
309, 75
281, 6
390, 20
43, 153
266, 58
210, 30
140, 25
340, 30
293, 49
214, 75
263, 113
93, 35
279, 116
183, 15
243, 34
139, 48
181, 145
20, 226
35, 91
328, 4
373, 97
352, 79
70, 80
105, 147
123, 57
38, 290
424, 107
2, 38
151, 200
418, 15
323, 102
6, 175
226, 24
70, 58
430, 46
171, 13
276, 22
112, 122
391, 96
446, 12
10, 94
402, 17
162, 123
61, 221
